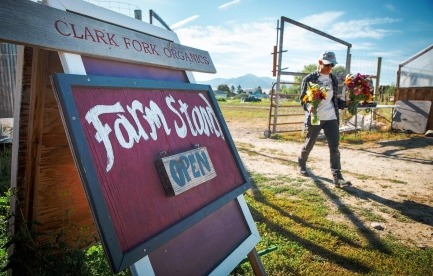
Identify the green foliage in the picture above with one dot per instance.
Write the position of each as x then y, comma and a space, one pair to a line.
232, 89
97, 264
239, 89
5, 167
386, 93
4, 217
54, 256
307, 70
5, 177
224, 87
43, 258
293, 89
340, 72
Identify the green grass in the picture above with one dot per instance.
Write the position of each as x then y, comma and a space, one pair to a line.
293, 217
235, 110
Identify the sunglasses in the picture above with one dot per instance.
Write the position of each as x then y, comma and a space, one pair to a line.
329, 65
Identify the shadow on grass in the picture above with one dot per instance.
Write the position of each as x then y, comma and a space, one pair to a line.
402, 145
254, 153
345, 262
416, 211
369, 235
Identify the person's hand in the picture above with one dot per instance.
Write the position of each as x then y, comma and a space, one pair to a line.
311, 109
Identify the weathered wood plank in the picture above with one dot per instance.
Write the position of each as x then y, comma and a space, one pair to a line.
36, 108
49, 188
29, 23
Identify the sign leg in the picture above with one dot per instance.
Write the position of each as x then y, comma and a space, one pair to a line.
256, 263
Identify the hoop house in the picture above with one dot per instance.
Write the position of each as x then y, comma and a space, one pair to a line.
415, 80
417, 71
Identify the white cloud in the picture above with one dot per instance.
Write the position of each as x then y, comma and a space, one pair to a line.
238, 49
322, 20
390, 7
227, 5
184, 22
235, 49
364, 28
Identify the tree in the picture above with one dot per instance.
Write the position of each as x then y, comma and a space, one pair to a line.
232, 89
338, 71
307, 70
224, 87
239, 90
296, 88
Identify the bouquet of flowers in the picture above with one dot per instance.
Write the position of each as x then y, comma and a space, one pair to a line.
315, 94
359, 90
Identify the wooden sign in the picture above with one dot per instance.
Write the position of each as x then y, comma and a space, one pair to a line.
118, 128
51, 28
185, 170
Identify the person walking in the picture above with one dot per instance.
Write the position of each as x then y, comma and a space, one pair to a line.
328, 113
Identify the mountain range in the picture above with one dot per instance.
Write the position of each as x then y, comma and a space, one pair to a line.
248, 81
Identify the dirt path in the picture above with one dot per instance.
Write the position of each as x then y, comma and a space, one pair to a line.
391, 180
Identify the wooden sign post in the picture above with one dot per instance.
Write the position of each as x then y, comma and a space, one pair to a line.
153, 167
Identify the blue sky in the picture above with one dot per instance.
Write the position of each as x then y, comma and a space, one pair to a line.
240, 34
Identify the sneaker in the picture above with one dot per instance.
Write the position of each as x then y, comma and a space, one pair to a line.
339, 181
302, 165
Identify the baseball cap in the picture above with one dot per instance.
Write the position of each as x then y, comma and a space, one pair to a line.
328, 58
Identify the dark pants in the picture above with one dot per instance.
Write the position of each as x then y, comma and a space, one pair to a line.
332, 136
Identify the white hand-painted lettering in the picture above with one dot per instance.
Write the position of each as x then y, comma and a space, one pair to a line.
102, 131
137, 106
201, 120
130, 131
184, 109
180, 130
155, 118
212, 118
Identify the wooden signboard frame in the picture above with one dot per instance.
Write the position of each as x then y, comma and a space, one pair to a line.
64, 85
72, 62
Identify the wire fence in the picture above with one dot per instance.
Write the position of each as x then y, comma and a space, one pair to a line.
302, 48
120, 7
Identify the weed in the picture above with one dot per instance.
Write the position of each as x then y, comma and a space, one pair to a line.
396, 181
369, 214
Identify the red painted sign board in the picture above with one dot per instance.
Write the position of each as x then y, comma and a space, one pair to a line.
119, 128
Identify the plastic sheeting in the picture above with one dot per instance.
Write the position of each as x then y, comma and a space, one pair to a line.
417, 71
8, 57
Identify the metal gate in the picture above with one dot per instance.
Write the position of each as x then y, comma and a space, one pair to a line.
285, 109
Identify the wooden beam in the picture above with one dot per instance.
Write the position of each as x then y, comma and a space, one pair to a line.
34, 138
256, 263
